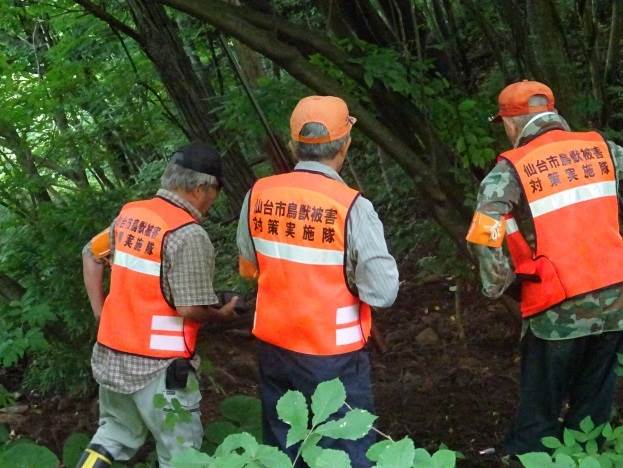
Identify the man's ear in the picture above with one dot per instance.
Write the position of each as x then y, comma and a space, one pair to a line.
292, 148
345, 147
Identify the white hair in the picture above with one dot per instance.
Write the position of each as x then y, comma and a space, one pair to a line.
317, 151
538, 100
176, 177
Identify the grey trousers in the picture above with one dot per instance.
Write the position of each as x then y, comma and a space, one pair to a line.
127, 419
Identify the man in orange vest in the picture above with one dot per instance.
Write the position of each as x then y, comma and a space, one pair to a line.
554, 198
162, 263
318, 252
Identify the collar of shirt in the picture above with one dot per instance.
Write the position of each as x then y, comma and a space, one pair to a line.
177, 200
316, 166
540, 124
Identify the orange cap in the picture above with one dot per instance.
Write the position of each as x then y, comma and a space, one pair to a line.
329, 111
513, 100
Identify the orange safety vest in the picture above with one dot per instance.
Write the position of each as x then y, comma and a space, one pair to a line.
298, 224
569, 182
137, 318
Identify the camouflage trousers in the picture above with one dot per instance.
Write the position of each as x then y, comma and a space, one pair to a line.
577, 371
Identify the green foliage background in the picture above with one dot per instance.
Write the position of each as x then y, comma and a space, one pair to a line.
88, 121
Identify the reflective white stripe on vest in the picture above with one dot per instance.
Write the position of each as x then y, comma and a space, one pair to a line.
348, 335
167, 343
572, 196
167, 323
140, 265
347, 314
298, 254
511, 226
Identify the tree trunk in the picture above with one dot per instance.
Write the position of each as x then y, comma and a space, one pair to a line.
26, 161
162, 43
547, 37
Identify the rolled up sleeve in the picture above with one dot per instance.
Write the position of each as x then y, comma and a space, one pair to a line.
369, 264
243, 238
499, 194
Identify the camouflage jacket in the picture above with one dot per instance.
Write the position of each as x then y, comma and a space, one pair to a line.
500, 193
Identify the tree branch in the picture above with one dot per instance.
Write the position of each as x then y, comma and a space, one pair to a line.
300, 37
113, 22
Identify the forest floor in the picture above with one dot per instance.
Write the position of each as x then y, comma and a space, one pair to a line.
429, 383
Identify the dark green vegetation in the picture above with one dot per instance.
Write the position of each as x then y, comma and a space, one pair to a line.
94, 95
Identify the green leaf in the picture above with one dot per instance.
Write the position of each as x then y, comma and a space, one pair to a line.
73, 448
564, 461
327, 399
422, 458
620, 358
376, 449
589, 462
398, 455
444, 459
28, 455
591, 447
217, 431
234, 442
330, 458
190, 458
535, 460
587, 425
467, 105
292, 410
596, 432
607, 431
579, 436
241, 409
160, 401
353, 426
604, 461
569, 438
310, 450
272, 457
232, 460
551, 442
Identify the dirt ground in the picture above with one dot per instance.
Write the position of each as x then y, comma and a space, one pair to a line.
429, 383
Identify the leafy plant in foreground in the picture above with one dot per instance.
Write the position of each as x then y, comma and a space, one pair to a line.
591, 447
243, 450
240, 413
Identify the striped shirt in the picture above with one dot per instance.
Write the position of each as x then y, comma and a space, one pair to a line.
370, 269
188, 263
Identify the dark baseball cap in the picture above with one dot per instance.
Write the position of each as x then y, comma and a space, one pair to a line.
200, 157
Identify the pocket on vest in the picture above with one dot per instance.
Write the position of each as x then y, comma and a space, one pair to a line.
544, 290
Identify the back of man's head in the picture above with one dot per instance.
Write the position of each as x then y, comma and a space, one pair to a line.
194, 165
320, 126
